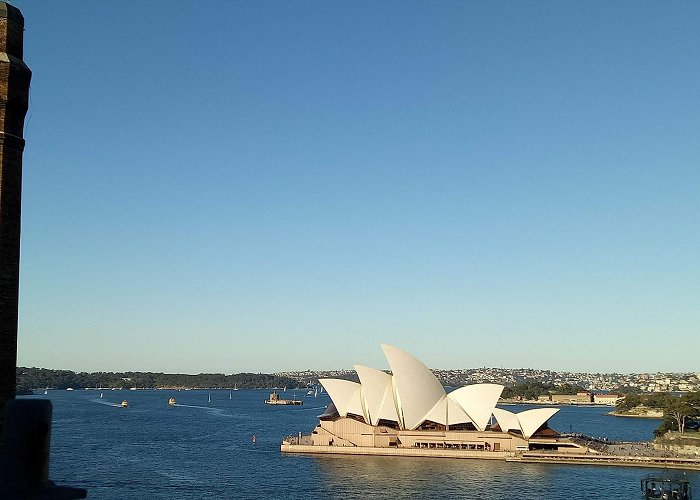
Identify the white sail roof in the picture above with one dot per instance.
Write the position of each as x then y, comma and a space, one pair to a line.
417, 389
438, 413
446, 411
377, 394
345, 395
413, 394
531, 420
508, 421
478, 401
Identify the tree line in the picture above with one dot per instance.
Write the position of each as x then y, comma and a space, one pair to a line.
531, 390
40, 378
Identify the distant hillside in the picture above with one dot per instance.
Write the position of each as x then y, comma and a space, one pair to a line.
39, 378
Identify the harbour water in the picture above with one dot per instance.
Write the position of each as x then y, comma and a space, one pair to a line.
200, 449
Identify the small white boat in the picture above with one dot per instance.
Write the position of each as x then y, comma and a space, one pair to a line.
172, 402
125, 404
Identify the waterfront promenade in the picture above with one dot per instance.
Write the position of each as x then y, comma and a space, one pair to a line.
620, 455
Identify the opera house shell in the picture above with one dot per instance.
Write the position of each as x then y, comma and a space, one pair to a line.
410, 409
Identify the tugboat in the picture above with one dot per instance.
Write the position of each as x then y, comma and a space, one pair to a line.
172, 402
274, 399
125, 404
656, 487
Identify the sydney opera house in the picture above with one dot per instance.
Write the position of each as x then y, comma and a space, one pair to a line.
410, 410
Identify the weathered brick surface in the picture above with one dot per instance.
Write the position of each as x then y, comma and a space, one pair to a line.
14, 91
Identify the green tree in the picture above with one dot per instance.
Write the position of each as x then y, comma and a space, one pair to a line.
678, 411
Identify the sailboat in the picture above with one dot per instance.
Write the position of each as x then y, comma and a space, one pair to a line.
101, 394
46, 391
235, 387
209, 400
229, 394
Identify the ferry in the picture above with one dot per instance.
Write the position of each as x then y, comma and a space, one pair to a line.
274, 399
656, 487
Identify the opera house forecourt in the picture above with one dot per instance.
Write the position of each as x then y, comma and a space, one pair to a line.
409, 413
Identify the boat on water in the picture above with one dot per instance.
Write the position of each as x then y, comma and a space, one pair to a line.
655, 487
172, 402
275, 399
125, 404
309, 393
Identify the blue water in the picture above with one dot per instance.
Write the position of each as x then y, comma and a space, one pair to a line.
205, 450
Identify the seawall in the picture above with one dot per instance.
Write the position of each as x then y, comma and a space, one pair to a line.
508, 456
395, 452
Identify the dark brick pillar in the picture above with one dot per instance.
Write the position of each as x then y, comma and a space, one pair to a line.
14, 99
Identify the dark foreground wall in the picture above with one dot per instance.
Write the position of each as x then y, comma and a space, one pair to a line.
14, 98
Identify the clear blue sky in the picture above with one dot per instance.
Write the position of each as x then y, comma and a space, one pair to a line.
264, 186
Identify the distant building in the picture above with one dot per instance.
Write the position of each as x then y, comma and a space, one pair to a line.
607, 399
578, 398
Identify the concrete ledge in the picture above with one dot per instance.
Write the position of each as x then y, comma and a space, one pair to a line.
507, 456
610, 460
395, 452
